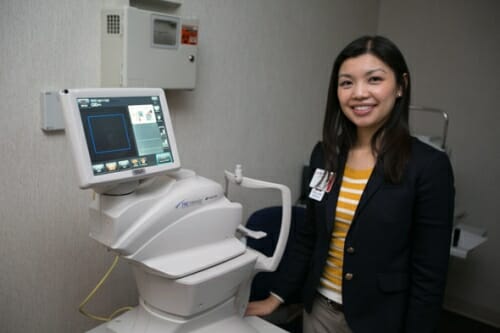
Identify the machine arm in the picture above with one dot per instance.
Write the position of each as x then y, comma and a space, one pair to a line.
267, 264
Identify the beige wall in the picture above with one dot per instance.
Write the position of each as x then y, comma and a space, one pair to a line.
263, 73
453, 49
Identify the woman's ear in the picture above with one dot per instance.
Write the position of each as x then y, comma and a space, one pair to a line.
405, 82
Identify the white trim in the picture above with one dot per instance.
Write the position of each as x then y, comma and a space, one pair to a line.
345, 211
349, 201
354, 180
348, 190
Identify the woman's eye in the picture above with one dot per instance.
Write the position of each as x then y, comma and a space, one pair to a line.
375, 79
344, 83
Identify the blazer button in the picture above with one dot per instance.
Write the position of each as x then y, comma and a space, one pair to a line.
350, 250
348, 276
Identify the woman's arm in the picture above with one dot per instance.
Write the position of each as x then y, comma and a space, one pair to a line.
431, 237
295, 263
264, 307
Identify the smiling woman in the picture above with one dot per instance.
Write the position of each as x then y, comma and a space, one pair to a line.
374, 250
367, 92
370, 71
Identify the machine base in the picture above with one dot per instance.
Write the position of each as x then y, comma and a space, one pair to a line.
140, 320
258, 324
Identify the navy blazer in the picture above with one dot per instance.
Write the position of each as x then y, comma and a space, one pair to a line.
396, 250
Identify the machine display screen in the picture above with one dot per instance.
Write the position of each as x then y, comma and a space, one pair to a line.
124, 133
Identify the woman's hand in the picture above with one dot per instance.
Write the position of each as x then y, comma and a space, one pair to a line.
263, 308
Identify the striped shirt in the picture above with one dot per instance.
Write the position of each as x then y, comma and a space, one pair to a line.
353, 184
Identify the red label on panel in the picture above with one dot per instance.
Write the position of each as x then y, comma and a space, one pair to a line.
189, 35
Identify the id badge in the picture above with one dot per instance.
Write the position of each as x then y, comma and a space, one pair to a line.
320, 184
318, 180
316, 194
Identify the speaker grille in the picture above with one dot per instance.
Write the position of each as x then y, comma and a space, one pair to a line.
113, 24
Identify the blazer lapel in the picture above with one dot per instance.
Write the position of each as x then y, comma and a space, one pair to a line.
332, 197
331, 203
373, 185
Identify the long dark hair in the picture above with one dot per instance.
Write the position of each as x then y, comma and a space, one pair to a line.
391, 142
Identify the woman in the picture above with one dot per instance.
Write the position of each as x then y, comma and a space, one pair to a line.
373, 255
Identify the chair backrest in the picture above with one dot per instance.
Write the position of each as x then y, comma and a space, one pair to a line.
269, 220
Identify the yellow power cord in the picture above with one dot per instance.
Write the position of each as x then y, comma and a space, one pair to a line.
92, 293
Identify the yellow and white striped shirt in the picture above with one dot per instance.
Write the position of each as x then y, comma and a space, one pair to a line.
352, 187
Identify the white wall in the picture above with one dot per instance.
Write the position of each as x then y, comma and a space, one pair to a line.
264, 67
453, 48
263, 74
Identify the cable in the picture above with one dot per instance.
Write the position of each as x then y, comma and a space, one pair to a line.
92, 293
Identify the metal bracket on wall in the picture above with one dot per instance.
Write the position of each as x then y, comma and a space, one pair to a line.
443, 114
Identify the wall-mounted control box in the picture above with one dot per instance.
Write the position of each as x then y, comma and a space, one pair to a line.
144, 48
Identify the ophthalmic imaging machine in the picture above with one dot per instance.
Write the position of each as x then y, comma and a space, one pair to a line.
182, 237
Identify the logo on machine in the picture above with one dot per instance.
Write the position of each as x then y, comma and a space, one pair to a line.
187, 203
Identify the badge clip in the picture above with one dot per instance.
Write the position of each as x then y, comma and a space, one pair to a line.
320, 184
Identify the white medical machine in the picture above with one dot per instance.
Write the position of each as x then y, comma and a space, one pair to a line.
182, 237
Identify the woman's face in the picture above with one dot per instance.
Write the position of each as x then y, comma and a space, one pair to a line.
367, 91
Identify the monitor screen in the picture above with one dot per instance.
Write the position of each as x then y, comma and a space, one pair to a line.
119, 134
